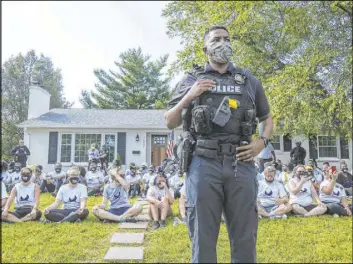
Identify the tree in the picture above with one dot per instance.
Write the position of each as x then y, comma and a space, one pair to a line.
300, 50
138, 84
17, 73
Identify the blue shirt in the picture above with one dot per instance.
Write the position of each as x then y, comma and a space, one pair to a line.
266, 153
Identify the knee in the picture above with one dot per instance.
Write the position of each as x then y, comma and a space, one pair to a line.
95, 210
165, 200
295, 207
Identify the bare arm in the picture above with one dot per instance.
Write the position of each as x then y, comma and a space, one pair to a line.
123, 183
10, 200
169, 195
36, 197
83, 203
150, 198
328, 189
54, 205
314, 194
293, 188
104, 203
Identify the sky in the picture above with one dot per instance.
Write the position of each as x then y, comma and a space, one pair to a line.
82, 36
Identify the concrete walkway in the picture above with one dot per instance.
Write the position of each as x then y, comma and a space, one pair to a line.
127, 253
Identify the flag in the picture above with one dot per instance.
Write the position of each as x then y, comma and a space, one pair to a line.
170, 145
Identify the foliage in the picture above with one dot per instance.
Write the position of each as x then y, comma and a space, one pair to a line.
300, 50
317, 239
139, 84
17, 73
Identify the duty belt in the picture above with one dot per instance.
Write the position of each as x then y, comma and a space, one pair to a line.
212, 148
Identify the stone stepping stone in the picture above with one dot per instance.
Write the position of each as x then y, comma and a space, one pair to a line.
139, 225
141, 203
143, 218
124, 253
145, 211
127, 238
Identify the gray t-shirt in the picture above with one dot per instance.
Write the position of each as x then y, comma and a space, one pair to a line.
117, 196
337, 193
304, 196
24, 195
14, 178
94, 179
269, 192
72, 196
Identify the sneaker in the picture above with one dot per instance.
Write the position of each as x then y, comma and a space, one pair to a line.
336, 216
130, 220
284, 216
155, 225
162, 223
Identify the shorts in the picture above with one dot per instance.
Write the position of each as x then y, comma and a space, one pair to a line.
25, 210
119, 211
309, 207
270, 208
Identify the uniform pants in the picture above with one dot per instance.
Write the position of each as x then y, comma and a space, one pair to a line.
56, 215
211, 188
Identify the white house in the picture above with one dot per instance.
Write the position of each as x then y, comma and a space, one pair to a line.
137, 135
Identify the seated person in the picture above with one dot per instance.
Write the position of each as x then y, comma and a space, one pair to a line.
38, 176
115, 165
53, 180
286, 175
333, 195
176, 183
144, 168
345, 179
147, 179
74, 196
26, 195
117, 194
133, 179
272, 199
160, 198
14, 177
95, 180
182, 203
302, 192
3, 195
4, 171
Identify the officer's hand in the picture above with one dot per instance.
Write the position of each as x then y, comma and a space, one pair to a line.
248, 152
199, 87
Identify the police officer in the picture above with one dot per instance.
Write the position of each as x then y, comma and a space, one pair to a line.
225, 103
21, 152
298, 154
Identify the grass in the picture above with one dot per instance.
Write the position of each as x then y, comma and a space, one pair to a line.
318, 239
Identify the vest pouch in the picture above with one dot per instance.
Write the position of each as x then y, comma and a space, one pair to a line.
201, 119
246, 128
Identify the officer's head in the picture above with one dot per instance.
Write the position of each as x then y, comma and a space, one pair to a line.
298, 144
217, 45
269, 173
58, 167
21, 142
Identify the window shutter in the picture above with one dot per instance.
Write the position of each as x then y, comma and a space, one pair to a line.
344, 148
53, 147
313, 147
122, 146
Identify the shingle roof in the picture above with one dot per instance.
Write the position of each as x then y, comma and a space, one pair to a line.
98, 118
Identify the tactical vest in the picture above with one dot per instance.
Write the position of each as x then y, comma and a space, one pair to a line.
242, 123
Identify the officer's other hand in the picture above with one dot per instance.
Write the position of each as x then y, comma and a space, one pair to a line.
248, 152
199, 87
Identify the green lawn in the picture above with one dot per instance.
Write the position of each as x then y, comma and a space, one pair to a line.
319, 239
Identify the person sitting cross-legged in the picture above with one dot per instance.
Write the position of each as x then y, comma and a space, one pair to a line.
160, 198
14, 177
3, 196
74, 196
117, 194
182, 206
302, 192
95, 180
26, 196
272, 199
333, 195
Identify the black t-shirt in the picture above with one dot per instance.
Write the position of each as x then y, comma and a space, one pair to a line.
345, 181
184, 85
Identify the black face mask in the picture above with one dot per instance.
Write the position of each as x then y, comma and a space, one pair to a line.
58, 170
344, 170
74, 180
93, 169
25, 178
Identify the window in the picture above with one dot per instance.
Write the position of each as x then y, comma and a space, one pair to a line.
327, 146
344, 148
159, 140
83, 143
109, 140
65, 155
276, 143
287, 143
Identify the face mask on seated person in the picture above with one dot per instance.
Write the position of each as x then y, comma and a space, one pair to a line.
94, 169
26, 178
73, 180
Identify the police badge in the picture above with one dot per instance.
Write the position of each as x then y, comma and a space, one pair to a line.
240, 79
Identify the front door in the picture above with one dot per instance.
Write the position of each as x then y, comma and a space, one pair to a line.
159, 149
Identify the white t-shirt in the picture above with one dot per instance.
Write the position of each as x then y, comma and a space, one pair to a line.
269, 192
157, 193
5, 175
304, 196
94, 179
72, 196
130, 178
337, 193
53, 176
3, 191
14, 178
93, 154
24, 195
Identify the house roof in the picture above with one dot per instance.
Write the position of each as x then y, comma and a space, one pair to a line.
98, 118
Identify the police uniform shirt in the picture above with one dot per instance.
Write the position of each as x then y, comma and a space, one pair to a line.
157, 193
303, 197
94, 179
269, 192
24, 195
184, 85
337, 193
117, 195
72, 196
3, 191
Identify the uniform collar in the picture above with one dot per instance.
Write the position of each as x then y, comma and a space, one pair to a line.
230, 69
